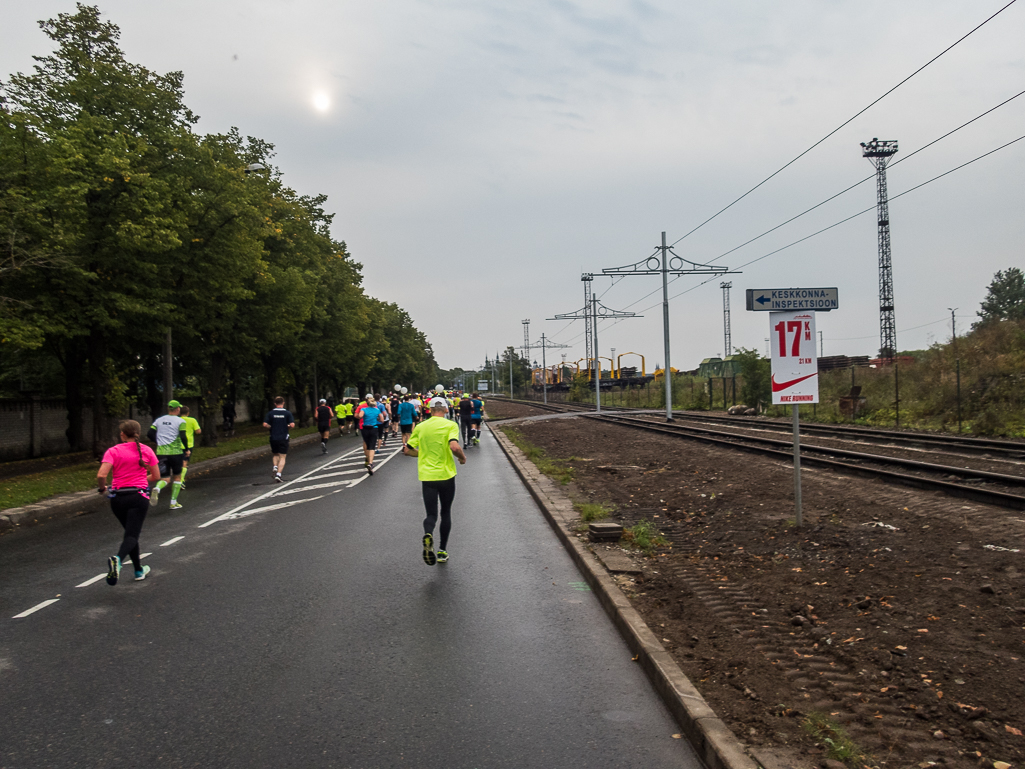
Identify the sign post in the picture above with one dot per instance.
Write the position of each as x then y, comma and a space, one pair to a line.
795, 374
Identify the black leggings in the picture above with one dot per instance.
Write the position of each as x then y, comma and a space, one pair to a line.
445, 491
464, 424
370, 436
130, 510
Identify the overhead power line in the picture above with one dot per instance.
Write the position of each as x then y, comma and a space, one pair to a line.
848, 121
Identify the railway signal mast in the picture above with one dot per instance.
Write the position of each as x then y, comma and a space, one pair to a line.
587, 278
666, 266
879, 154
727, 340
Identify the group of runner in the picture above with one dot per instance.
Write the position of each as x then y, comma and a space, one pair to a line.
427, 426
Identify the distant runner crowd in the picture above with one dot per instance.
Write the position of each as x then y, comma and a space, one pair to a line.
431, 426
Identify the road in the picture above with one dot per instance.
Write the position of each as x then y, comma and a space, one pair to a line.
296, 625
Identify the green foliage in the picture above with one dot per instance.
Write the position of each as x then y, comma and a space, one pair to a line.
839, 746
755, 372
593, 511
1005, 299
556, 469
644, 535
118, 221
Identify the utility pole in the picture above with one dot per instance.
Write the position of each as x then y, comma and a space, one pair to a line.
727, 335
587, 278
526, 339
822, 347
665, 266
879, 154
592, 313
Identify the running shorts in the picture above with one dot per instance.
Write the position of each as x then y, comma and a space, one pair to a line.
370, 436
171, 464
279, 447
406, 429
475, 421
323, 427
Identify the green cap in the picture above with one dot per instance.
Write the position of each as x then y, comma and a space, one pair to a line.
174, 405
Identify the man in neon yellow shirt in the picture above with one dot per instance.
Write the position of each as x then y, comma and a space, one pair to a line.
433, 443
192, 429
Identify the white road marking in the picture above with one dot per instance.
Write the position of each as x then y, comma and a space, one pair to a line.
376, 467
88, 582
342, 472
232, 513
329, 485
35, 608
172, 541
267, 508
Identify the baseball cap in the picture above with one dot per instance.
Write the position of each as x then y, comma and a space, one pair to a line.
323, 400
173, 405
439, 403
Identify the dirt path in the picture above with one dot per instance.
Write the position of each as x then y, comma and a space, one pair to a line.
898, 613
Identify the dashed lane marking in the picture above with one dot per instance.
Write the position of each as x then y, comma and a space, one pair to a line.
35, 608
172, 541
98, 577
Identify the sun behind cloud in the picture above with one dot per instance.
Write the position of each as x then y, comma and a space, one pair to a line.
321, 101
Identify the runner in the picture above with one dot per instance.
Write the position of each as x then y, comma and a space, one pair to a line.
477, 417
350, 418
279, 421
465, 410
135, 466
433, 443
228, 415
394, 403
407, 414
382, 425
324, 423
192, 429
173, 448
370, 419
340, 413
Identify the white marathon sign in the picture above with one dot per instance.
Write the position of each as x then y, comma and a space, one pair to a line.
483, 384
795, 366
787, 299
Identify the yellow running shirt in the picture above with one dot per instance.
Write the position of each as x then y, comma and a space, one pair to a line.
431, 438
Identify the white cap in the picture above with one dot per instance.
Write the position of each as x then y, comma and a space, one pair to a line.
439, 403
323, 400
369, 397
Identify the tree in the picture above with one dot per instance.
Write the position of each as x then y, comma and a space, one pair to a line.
755, 372
1005, 299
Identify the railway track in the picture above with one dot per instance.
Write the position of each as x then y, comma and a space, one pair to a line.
976, 485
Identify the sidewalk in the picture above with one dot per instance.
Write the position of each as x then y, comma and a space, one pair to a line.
87, 501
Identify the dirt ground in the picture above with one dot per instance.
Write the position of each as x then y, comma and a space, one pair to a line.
897, 613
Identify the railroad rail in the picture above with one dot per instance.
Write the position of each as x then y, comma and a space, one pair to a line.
852, 462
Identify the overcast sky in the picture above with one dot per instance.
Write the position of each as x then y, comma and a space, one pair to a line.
480, 156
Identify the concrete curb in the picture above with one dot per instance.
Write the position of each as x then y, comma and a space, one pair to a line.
86, 501
713, 741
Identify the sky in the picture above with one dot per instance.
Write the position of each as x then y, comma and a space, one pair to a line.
480, 156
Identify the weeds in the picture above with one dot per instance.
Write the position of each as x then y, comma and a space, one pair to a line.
556, 469
590, 511
644, 535
839, 746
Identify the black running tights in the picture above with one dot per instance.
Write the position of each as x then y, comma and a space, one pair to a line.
465, 426
130, 510
445, 492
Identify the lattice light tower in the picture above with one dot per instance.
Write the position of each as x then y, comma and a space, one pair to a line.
879, 154
727, 335
526, 339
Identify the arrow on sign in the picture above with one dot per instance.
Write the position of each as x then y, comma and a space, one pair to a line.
763, 299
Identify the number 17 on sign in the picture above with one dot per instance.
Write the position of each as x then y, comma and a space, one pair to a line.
795, 375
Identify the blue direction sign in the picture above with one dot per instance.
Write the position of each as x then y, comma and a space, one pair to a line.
791, 299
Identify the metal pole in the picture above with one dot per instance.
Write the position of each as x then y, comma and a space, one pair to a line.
544, 371
510, 375
168, 374
896, 390
959, 395
597, 360
668, 378
797, 464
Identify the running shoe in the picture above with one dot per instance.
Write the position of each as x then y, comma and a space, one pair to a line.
275, 469
140, 575
466, 445
429, 557
277, 477
113, 569
183, 487
442, 556
370, 468
176, 505
476, 441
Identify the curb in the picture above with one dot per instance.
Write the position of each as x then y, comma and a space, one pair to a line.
711, 739
86, 501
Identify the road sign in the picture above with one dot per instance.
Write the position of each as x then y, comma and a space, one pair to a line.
790, 299
482, 385
795, 366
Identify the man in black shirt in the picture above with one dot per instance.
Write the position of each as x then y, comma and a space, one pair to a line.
324, 423
465, 414
279, 421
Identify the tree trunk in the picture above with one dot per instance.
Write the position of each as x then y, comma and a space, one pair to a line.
153, 377
102, 437
210, 406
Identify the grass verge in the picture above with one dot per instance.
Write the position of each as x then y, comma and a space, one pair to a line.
556, 469
591, 511
33, 487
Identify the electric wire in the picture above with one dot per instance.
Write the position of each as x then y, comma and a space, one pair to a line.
847, 122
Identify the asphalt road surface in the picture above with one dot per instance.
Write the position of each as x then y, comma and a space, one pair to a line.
296, 625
